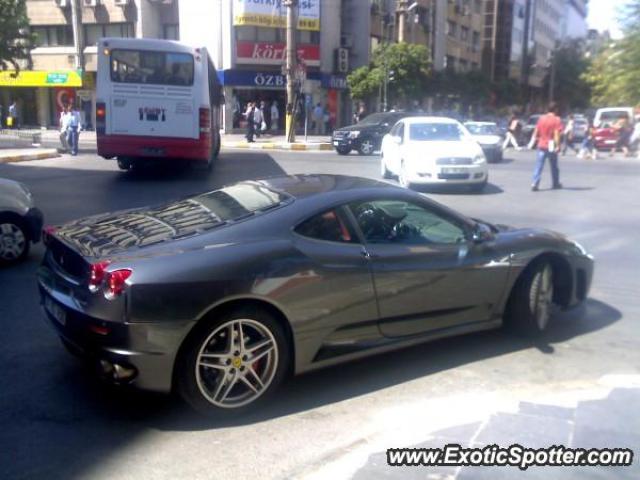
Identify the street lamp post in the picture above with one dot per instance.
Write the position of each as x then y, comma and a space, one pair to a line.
290, 67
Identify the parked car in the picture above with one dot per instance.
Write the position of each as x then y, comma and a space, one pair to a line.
223, 294
433, 151
20, 222
366, 136
488, 136
606, 136
528, 128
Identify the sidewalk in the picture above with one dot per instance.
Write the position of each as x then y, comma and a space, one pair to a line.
232, 140
11, 155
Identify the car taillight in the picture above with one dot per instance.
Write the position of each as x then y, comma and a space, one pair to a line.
47, 234
97, 275
101, 118
205, 120
116, 283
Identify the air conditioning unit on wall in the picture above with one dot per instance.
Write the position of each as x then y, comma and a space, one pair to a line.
121, 3
90, 3
62, 3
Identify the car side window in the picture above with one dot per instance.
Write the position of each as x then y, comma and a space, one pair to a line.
404, 223
328, 226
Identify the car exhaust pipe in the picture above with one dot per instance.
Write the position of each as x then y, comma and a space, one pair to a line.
116, 372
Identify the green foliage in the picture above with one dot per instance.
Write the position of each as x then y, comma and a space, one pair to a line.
571, 90
16, 41
411, 68
614, 74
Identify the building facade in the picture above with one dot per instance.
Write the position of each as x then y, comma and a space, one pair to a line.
465, 22
64, 60
575, 20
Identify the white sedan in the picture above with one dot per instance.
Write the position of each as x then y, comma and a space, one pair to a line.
433, 151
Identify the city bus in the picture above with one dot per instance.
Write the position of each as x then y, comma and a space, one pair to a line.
156, 99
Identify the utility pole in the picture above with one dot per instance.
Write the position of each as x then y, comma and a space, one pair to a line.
552, 74
402, 16
290, 67
78, 40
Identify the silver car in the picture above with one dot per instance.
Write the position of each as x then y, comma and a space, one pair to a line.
20, 222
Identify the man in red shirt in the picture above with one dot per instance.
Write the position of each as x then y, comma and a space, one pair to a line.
547, 133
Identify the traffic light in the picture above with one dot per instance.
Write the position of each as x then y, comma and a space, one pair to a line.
342, 60
392, 75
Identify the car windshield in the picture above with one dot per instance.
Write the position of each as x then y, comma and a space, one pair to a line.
613, 116
534, 119
425, 132
482, 129
377, 118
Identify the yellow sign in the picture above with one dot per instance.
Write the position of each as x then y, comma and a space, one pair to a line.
58, 78
272, 13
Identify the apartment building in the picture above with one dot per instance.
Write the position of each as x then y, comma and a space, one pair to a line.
64, 60
464, 27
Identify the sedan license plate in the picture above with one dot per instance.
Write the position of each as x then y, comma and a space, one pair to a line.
336, 143
55, 311
447, 171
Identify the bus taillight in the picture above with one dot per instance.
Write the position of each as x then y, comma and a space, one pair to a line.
205, 120
101, 118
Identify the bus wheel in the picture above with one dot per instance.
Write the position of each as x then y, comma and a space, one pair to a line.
124, 163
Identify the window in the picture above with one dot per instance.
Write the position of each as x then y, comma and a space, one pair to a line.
328, 226
267, 34
53, 35
463, 65
464, 34
452, 28
402, 223
171, 31
450, 62
162, 68
93, 32
477, 6
440, 132
308, 37
476, 39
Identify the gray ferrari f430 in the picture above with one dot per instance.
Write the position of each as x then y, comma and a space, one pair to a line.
220, 296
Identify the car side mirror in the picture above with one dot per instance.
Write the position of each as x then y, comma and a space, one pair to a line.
397, 139
482, 233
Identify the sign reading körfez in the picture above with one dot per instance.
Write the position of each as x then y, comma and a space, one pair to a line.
271, 13
271, 53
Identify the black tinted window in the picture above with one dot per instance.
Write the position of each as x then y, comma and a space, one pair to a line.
326, 226
399, 222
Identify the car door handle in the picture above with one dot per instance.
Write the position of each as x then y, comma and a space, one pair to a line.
367, 255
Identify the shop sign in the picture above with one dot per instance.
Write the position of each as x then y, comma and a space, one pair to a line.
69, 78
334, 82
272, 13
267, 53
258, 79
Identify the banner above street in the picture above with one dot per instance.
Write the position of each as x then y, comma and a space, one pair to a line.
271, 13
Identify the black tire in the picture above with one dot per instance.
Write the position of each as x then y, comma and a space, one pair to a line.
124, 163
343, 150
218, 146
366, 147
14, 226
479, 187
186, 380
522, 313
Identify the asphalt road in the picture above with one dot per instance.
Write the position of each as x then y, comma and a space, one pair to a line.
579, 385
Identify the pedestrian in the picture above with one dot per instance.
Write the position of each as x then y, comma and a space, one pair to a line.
65, 117
266, 117
12, 118
275, 116
624, 135
547, 133
258, 119
251, 126
634, 141
588, 150
327, 121
318, 119
74, 129
513, 131
567, 136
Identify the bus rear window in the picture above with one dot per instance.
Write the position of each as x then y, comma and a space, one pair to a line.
159, 68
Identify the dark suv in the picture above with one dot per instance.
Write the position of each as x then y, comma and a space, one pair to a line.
366, 136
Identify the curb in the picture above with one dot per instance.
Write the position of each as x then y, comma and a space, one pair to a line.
30, 156
280, 146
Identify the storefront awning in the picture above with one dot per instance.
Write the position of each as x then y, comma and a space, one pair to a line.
57, 78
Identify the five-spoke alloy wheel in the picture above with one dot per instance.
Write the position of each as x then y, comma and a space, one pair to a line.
231, 364
14, 242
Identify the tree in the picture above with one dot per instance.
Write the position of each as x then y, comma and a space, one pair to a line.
613, 75
16, 41
571, 90
411, 69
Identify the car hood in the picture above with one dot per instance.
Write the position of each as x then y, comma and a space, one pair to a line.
487, 139
14, 197
420, 150
350, 128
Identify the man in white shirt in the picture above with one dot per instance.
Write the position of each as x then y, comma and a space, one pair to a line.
65, 117
72, 120
275, 116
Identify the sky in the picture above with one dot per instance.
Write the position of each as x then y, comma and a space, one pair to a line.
603, 15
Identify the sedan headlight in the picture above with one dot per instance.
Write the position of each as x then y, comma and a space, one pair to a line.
479, 159
354, 133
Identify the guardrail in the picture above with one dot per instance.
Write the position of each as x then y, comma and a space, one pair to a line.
20, 137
